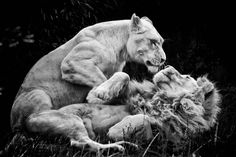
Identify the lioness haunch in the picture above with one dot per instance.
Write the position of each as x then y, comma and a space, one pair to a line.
174, 103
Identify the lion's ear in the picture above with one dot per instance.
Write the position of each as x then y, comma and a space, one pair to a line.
202, 80
206, 85
136, 24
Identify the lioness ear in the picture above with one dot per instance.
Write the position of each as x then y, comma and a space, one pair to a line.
147, 19
135, 25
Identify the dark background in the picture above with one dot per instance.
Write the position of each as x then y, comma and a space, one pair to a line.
198, 34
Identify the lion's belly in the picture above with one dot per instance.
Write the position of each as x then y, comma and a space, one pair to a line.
104, 118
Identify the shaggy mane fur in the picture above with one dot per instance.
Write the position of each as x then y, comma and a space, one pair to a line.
181, 116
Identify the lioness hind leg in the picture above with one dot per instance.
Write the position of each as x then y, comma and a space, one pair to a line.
109, 89
26, 103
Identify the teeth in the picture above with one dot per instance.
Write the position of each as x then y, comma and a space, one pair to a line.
155, 62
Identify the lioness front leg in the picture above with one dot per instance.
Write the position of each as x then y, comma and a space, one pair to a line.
109, 89
69, 125
85, 64
83, 72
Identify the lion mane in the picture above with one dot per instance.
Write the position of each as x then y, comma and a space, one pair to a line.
184, 115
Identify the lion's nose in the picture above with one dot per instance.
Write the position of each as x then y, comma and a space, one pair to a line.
162, 61
162, 56
167, 66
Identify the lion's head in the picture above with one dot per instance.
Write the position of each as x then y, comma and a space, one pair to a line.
170, 81
145, 44
181, 104
185, 104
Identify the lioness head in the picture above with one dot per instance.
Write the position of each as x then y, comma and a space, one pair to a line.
145, 44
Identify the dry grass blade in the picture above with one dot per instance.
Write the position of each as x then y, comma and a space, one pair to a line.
201, 146
150, 144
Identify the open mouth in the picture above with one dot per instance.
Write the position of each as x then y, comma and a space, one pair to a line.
149, 63
154, 68
159, 66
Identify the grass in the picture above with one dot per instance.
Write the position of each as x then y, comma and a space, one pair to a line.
27, 145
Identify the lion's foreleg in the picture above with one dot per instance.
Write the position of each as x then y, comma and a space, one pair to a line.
95, 146
109, 89
69, 125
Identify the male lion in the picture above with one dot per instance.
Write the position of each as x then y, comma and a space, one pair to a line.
67, 74
175, 103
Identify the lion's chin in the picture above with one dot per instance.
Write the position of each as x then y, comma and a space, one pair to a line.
153, 69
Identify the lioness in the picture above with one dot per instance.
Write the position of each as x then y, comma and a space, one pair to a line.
175, 103
67, 74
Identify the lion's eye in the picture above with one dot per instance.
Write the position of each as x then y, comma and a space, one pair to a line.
140, 52
154, 42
